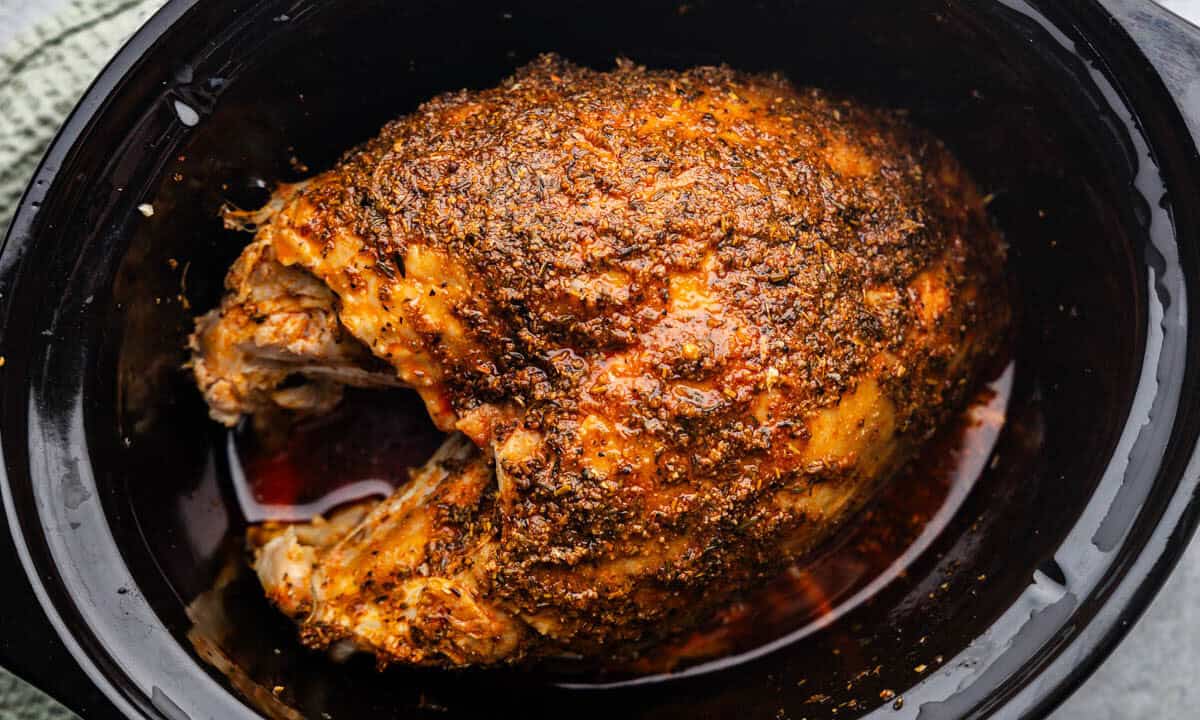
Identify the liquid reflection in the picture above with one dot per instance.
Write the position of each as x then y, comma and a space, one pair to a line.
365, 448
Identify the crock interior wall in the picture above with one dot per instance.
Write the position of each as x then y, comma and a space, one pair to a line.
1018, 113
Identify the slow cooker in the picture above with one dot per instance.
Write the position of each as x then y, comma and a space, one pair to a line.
1079, 118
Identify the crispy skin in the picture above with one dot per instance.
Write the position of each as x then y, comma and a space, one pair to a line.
692, 319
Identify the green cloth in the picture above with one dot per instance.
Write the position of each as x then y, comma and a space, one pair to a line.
44, 68
19, 701
49, 52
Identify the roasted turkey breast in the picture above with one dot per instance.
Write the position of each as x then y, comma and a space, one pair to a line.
680, 324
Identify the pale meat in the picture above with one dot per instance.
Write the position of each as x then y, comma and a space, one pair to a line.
277, 324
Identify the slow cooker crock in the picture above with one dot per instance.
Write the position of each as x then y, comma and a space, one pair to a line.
1078, 117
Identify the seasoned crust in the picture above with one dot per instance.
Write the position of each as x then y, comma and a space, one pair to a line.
569, 199
695, 317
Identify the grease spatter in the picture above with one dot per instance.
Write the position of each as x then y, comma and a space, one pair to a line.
186, 113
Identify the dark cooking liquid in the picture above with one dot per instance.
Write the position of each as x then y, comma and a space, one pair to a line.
363, 448
880, 543
366, 447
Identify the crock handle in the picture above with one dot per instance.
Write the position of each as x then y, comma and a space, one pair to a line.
1172, 45
30, 649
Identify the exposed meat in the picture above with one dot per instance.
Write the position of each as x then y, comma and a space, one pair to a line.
690, 321
276, 323
405, 583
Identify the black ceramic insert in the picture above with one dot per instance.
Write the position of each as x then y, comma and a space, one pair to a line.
115, 482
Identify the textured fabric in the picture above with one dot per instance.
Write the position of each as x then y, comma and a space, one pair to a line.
18, 701
49, 52
48, 57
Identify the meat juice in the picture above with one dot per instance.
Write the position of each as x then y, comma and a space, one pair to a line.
365, 449
362, 449
875, 548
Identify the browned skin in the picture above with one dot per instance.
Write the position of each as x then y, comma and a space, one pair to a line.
691, 318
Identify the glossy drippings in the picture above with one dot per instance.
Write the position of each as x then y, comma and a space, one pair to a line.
362, 449
875, 549
366, 447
